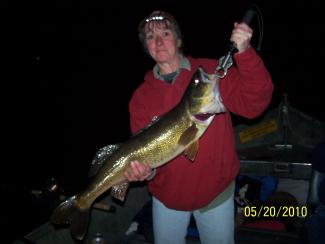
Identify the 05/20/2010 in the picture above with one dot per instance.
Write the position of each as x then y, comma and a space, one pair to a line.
276, 211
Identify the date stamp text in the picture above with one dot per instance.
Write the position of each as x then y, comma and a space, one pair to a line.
275, 211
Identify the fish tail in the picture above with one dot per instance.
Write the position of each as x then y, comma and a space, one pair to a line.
69, 212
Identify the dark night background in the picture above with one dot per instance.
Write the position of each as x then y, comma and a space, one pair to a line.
71, 67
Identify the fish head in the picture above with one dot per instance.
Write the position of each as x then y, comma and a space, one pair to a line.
204, 100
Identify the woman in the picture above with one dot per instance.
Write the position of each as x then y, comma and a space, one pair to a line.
204, 188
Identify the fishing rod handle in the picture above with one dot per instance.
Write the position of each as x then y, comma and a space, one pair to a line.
247, 19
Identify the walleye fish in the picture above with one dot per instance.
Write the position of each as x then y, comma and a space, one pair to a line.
174, 133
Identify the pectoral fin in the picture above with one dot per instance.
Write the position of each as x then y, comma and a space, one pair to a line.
188, 135
192, 150
119, 191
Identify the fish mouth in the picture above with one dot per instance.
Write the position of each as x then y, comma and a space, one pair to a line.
203, 116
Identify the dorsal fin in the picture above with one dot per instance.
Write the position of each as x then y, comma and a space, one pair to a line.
154, 120
100, 157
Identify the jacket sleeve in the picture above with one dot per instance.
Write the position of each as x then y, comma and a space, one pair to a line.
247, 89
139, 117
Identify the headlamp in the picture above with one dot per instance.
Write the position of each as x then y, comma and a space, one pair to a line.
156, 17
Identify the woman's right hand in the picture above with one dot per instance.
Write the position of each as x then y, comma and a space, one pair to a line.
139, 171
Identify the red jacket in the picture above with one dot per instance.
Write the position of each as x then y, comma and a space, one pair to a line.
245, 91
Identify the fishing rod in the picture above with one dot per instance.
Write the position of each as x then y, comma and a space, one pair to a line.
225, 62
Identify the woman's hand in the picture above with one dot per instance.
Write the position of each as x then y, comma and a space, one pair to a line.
241, 36
139, 171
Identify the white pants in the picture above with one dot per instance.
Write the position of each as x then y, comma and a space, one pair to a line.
215, 226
